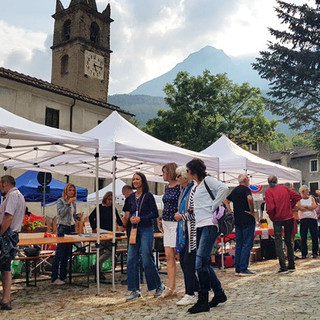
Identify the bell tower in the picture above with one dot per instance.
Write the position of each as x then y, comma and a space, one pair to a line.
81, 48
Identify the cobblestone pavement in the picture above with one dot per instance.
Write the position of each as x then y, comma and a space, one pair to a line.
266, 295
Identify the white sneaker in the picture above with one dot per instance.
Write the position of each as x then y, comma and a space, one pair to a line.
58, 282
187, 299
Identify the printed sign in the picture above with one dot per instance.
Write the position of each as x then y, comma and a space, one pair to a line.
256, 188
3, 132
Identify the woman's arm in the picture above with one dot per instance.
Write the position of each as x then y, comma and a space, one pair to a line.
150, 206
119, 221
220, 190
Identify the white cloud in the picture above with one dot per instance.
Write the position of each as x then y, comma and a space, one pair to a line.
148, 37
19, 41
170, 18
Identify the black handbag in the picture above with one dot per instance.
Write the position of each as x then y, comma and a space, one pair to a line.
32, 251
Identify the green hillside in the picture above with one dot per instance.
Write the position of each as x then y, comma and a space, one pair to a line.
144, 107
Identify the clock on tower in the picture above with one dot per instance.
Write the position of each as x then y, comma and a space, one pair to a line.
93, 65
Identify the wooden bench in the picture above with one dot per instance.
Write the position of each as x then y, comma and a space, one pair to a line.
122, 252
27, 260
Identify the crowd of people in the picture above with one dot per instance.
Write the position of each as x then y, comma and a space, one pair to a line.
189, 230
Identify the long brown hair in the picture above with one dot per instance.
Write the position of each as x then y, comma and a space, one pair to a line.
64, 192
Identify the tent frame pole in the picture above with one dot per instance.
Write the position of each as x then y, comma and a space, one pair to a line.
114, 162
98, 223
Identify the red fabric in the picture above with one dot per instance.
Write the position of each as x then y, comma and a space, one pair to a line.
279, 202
232, 236
228, 237
52, 247
294, 228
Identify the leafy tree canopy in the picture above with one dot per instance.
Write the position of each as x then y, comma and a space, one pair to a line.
203, 108
284, 142
292, 65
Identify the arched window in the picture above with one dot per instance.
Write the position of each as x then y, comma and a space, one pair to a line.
66, 30
64, 64
94, 33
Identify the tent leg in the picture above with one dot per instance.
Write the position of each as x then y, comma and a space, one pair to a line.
98, 223
222, 252
114, 161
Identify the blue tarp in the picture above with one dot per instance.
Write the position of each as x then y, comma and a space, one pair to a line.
28, 184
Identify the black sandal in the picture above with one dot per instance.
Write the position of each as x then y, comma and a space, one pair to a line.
6, 306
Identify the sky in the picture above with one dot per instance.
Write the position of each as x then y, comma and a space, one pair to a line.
148, 37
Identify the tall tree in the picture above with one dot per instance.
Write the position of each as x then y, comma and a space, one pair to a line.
292, 65
205, 107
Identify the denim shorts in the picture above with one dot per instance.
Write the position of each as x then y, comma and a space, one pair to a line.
5, 265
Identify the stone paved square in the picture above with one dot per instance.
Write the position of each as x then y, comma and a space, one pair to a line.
266, 295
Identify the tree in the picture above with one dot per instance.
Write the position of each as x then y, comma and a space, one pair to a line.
285, 142
205, 107
292, 65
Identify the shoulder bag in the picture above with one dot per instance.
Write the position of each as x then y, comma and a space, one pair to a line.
221, 215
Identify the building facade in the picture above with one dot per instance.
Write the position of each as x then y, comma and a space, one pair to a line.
76, 98
305, 159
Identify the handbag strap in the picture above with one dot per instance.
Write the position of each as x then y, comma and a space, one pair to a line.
208, 189
139, 210
135, 226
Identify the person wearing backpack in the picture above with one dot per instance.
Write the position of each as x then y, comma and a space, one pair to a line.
244, 224
207, 234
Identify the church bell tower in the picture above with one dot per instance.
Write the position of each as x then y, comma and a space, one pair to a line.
81, 48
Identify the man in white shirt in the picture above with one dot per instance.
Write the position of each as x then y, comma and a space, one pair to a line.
12, 212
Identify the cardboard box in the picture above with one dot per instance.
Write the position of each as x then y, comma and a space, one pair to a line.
257, 252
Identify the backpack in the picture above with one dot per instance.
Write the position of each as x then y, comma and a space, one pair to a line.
221, 215
226, 223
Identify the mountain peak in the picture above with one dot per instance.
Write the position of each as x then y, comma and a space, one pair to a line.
210, 58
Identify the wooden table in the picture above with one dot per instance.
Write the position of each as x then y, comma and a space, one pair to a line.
69, 239
65, 240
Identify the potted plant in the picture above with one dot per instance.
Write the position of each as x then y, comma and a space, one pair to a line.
33, 224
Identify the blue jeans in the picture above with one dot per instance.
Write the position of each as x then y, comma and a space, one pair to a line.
143, 246
62, 255
244, 244
206, 237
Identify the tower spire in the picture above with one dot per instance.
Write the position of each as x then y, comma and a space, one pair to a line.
107, 11
59, 6
92, 4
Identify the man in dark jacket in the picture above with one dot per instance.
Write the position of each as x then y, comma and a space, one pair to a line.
279, 202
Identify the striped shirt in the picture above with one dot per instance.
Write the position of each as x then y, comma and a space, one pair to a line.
189, 219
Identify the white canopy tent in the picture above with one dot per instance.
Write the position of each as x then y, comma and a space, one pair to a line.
123, 150
233, 160
91, 198
26, 142
132, 150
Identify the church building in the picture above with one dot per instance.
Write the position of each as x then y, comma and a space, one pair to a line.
76, 98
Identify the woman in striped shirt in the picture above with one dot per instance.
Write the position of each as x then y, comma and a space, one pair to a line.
186, 237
